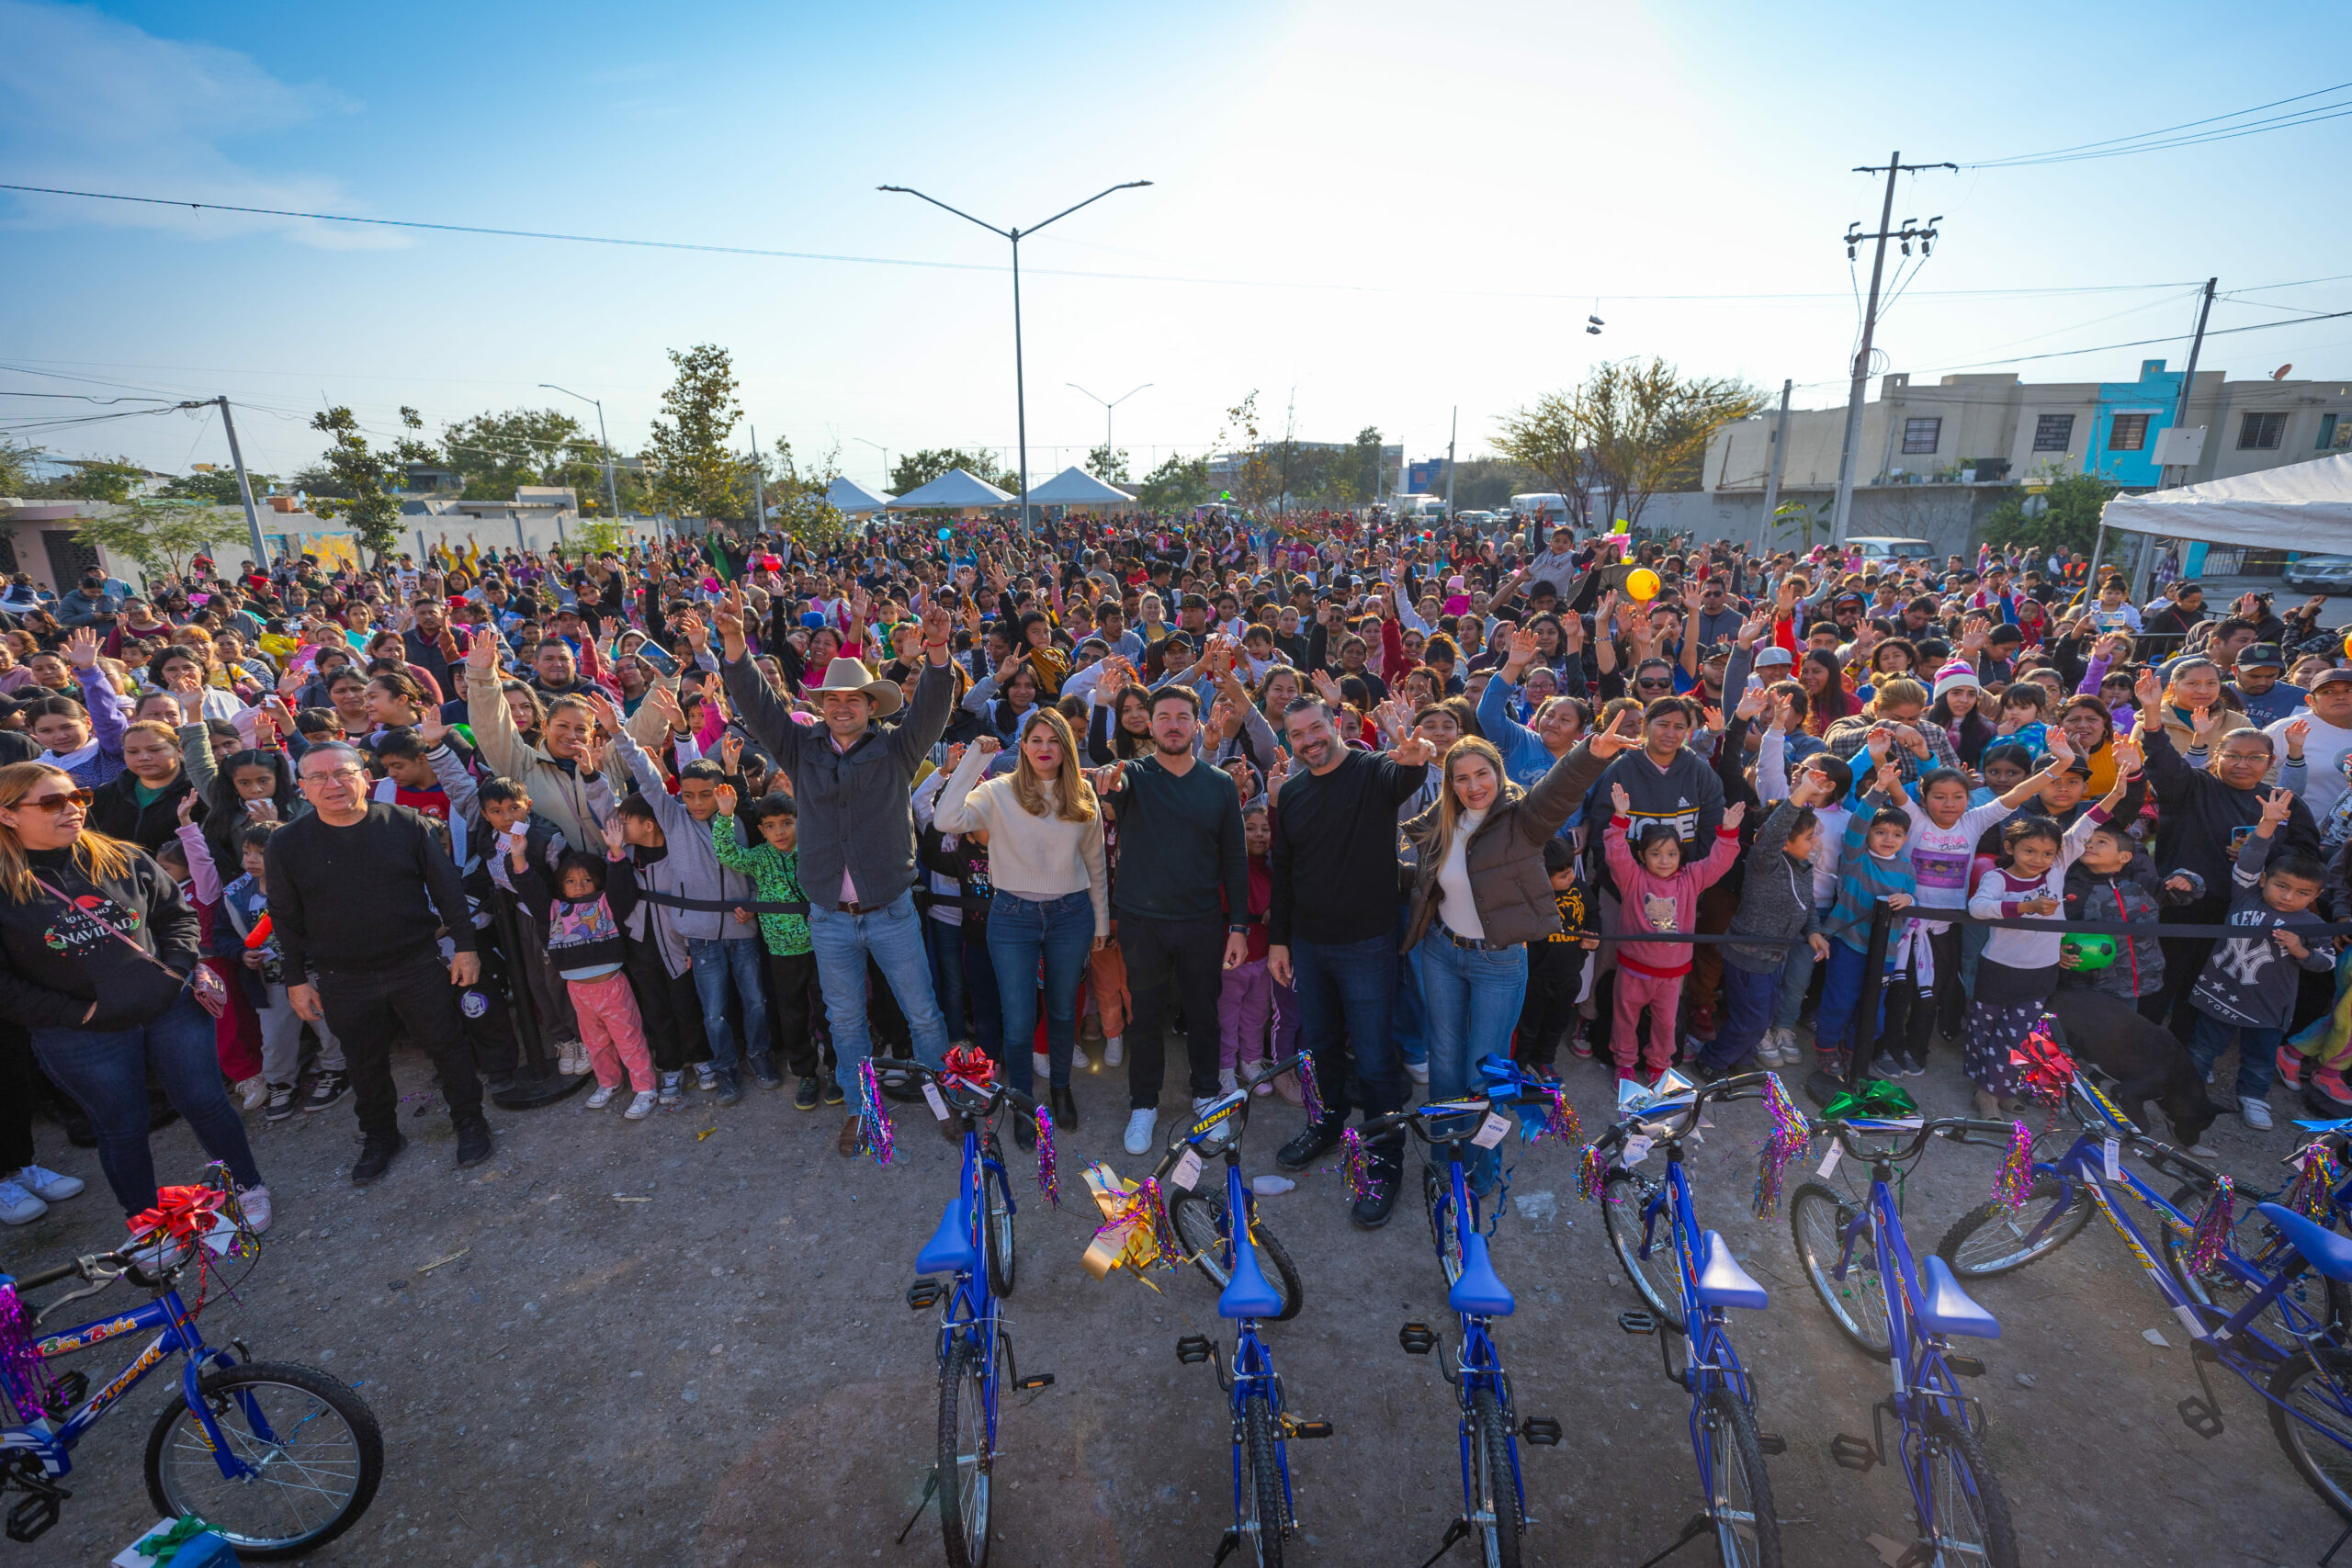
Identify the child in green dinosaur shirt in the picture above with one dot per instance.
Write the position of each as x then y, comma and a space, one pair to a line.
774, 866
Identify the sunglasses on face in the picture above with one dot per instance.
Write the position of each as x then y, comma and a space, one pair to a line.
1654, 685
53, 804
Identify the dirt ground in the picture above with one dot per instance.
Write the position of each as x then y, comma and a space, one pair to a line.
685, 1342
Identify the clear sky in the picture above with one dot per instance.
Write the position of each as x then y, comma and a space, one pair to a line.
1381, 211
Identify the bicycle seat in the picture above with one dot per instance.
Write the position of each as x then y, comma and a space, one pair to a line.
1248, 1293
1721, 1282
950, 1248
1946, 1308
2329, 1253
1479, 1289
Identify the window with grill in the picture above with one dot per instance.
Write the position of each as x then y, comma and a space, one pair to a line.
2261, 431
2127, 433
2053, 431
1921, 435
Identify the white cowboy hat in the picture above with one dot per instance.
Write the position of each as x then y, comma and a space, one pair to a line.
847, 674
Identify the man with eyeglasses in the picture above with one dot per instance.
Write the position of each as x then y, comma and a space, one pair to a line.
360, 894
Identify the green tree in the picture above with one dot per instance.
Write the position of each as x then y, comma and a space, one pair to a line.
1109, 466
162, 536
216, 488
1487, 484
1634, 429
1549, 440
700, 475
1255, 481
1177, 483
2054, 511
497, 453
797, 502
915, 469
368, 481
98, 478
16, 461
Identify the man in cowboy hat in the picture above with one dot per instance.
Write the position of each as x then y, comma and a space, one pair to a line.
853, 778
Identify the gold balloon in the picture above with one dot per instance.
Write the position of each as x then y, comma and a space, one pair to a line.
1642, 583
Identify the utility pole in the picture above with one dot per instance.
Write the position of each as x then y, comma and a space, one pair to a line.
2179, 420
1843, 508
1107, 407
1451, 432
244, 488
1773, 477
759, 490
612, 494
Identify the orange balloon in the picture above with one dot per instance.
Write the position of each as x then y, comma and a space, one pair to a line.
1642, 584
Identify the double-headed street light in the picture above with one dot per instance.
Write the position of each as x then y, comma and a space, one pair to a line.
1020, 395
612, 496
1107, 407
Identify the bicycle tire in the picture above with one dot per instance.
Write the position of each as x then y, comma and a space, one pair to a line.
1262, 1493
1817, 1220
1626, 1196
964, 1504
1987, 1222
1199, 1220
2325, 1467
996, 1224
1740, 1477
1978, 1494
1495, 1480
2327, 1300
179, 1439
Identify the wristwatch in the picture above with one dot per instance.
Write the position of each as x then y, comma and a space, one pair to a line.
1238, 931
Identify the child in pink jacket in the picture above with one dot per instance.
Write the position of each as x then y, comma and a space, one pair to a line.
1658, 893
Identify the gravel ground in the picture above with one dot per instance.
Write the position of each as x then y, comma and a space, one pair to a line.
685, 1342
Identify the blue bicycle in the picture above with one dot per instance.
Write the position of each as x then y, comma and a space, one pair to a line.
279, 1459
973, 1246
1494, 1501
1859, 1262
1688, 1277
1263, 1516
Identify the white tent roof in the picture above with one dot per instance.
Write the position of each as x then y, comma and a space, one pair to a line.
1076, 487
952, 490
848, 495
2303, 506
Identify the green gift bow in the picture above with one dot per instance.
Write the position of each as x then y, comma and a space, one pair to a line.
164, 1545
1878, 1099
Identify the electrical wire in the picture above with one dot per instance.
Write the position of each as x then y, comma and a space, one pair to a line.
2149, 342
2166, 138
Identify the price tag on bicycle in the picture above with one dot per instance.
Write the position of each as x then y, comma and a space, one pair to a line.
1637, 1149
1829, 1161
1492, 1130
1187, 1174
2113, 1152
932, 1095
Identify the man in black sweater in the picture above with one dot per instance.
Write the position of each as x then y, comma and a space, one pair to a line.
1333, 927
359, 894
1180, 850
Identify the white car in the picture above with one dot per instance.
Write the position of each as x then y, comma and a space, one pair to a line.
2324, 574
1885, 548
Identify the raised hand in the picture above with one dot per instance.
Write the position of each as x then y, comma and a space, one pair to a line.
726, 800
82, 648
1751, 703
1734, 814
2060, 748
2149, 689
1974, 630
987, 745
2202, 722
431, 728
608, 717
2298, 732
188, 803
1415, 750
730, 753
482, 656
2276, 807
1621, 801
1623, 734
1524, 647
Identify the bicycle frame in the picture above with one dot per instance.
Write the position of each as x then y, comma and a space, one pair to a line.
1710, 1362
1253, 1365
972, 1310
52, 1442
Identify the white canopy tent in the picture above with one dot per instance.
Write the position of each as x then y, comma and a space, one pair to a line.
848, 495
1075, 487
955, 490
2304, 507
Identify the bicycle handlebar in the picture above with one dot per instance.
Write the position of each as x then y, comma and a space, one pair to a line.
2080, 1093
1959, 1129
954, 1088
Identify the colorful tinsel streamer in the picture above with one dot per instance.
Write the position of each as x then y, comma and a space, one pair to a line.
1790, 1134
873, 1117
1560, 1119
2213, 1225
1355, 1166
2013, 1183
2313, 1193
1592, 1174
1048, 1163
2044, 1072
1308, 1094
22, 1377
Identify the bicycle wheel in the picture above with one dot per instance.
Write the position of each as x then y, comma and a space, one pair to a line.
1499, 1523
1817, 1218
966, 1457
312, 1443
996, 1223
1972, 1527
1200, 1226
2321, 1302
1628, 1195
1739, 1492
2315, 1387
1265, 1512
1989, 1240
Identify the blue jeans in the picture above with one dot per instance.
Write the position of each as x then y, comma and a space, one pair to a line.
1473, 996
2257, 1050
1749, 1001
1796, 979
892, 937
943, 944
1408, 1022
1347, 1001
716, 963
1022, 933
1841, 996
106, 1075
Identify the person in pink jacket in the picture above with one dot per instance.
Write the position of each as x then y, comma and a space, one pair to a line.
1656, 893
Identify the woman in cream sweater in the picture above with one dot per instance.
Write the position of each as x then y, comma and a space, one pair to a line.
1052, 901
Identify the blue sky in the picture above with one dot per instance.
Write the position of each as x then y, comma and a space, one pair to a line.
1383, 211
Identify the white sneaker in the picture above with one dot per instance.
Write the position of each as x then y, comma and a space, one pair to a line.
18, 1207
1227, 1083
254, 1203
641, 1107
601, 1096
1140, 1126
254, 1092
575, 1061
1114, 1050
706, 1076
1418, 1071
1218, 1134
48, 1185
1042, 1065
2256, 1111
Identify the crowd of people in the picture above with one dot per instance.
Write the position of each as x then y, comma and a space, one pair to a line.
720, 814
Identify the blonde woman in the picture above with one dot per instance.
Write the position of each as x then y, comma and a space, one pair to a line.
98, 952
1053, 898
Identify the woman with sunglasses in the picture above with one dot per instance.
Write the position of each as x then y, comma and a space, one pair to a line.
99, 948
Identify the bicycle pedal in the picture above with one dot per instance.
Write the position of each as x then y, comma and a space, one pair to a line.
1306, 1430
1771, 1444
2199, 1418
1637, 1321
1417, 1338
1966, 1366
32, 1516
1854, 1453
1193, 1350
925, 1293
1541, 1430
1033, 1382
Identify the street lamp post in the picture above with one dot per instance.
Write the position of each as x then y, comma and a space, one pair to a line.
612, 496
878, 447
1019, 396
1115, 402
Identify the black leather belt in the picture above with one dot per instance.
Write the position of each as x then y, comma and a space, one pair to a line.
1473, 944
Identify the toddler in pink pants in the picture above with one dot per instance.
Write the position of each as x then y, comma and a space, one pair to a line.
584, 947
1658, 893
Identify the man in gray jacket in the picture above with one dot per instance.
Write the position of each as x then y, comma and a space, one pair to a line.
852, 778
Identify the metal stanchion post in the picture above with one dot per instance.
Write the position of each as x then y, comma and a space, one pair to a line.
1821, 1087
537, 1080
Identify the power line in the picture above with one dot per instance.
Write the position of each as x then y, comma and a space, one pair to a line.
2169, 136
2148, 342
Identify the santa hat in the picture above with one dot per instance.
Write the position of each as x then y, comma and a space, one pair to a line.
1956, 674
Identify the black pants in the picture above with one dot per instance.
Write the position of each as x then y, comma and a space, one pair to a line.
792, 982
1170, 961
1555, 975
20, 1082
670, 1009
367, 1006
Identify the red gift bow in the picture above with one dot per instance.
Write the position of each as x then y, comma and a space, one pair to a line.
184, 1211
2047, 1070
971, 1063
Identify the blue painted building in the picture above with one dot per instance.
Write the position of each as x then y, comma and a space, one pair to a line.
2126, 421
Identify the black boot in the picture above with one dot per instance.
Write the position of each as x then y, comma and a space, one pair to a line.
1319, 1139
474, 1142
376, 1156
1064, 1108
1387, 1159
